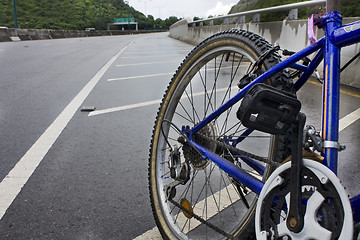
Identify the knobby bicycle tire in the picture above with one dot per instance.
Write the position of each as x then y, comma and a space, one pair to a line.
214, 58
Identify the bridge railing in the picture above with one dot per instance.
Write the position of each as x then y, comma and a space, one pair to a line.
293, 13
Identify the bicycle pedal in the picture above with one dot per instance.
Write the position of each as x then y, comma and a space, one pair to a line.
268, 109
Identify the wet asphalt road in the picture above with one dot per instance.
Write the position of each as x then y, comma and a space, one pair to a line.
92, 182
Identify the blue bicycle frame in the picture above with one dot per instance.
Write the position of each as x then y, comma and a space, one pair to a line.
328, 48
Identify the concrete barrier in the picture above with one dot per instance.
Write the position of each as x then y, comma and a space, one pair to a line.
22, 34
55, 34
290, 34
43, 34
4, 35
19, 34
32, 33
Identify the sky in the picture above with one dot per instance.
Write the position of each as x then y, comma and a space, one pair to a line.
182, 8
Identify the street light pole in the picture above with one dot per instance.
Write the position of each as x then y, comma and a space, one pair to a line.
15, 16
127, 2
146, 16
100, 18
52, 14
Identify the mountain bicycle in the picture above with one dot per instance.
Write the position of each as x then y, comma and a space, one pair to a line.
231, 157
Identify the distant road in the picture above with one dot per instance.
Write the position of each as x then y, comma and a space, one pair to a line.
85, 174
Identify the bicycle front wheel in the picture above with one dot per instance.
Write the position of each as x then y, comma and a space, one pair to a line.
192, 198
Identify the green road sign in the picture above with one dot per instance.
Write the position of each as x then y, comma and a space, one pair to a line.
124, 20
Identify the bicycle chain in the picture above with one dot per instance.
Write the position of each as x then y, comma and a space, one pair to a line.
231, 149
236, 150
200, 219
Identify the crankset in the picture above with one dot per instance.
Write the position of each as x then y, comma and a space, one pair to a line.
324, 205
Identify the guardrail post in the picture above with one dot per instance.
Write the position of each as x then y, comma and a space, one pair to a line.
211, 23
226, 20
201, 24
194, 24
293, 14
256, 17
242, 19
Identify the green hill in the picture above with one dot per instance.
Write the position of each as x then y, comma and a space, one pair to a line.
74, 14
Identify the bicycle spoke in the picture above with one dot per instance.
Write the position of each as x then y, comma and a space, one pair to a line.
191, 120
192, 104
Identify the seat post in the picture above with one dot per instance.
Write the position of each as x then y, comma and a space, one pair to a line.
333, 5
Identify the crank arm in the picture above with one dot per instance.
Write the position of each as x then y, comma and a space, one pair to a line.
295, 220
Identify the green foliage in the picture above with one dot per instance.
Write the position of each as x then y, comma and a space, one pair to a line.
75, 14
350, 8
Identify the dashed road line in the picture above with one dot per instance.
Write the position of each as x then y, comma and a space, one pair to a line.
145, 63
349, 119
153, 56
159, 74
140, 76
143, 104
146, 52
126, 107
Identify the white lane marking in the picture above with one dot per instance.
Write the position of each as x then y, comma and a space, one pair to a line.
153, 56
126, 107
152, 234
146, 52
146, 63
143, 104
159, 74
12, 184
349, 119
140, 76
224, 198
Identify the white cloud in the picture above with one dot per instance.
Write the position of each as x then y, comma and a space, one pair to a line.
219, 9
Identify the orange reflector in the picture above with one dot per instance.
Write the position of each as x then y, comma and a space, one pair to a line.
187, 205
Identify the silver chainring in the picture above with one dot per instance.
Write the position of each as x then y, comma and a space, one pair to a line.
317, 202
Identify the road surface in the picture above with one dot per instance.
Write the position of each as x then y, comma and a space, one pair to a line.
68, 174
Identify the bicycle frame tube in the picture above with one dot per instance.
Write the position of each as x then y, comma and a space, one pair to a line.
331, 92
266, 75
310, 69
346, 35
248, 180
329, 49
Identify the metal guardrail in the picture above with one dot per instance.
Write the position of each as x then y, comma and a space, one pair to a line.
292, 15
